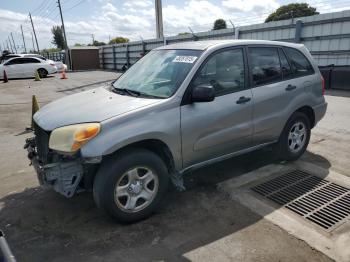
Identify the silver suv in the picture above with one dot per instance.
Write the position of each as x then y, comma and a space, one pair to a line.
180, 107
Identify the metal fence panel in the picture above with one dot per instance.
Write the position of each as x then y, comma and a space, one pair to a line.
327, 36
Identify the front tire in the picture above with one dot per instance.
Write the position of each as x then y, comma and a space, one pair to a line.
295, 137
42, 72
130, 187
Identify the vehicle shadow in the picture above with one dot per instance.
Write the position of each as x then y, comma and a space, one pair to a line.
43, 226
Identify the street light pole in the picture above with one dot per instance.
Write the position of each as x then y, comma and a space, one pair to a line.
159, 18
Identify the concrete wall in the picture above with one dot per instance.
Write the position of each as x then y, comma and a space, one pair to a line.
327, 36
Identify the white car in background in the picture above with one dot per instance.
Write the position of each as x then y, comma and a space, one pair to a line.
60, 66
25, 67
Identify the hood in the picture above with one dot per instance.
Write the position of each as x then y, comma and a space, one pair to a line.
90, 106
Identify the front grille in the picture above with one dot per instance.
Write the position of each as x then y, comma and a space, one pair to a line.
318, 200
42, 143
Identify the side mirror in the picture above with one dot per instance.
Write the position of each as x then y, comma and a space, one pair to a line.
203, 94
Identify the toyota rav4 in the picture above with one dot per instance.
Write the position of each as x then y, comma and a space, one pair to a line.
180, 107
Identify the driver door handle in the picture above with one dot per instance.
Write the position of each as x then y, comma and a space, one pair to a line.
290, 87
243, 100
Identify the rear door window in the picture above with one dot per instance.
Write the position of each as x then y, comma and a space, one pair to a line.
265, 65
30, 60
299, 63
15, 61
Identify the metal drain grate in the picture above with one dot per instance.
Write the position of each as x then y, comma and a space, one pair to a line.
320, 201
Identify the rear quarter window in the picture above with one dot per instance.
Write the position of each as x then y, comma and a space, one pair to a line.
301, 66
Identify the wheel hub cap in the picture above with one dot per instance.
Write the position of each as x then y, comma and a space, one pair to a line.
297, 137
135, 187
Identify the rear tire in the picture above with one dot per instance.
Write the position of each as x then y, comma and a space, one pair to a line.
130, 186
295, 137
42, 72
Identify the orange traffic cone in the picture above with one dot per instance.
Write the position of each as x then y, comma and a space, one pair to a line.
63, 76
5, 77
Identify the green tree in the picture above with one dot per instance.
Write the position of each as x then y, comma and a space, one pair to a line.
184, 33
119, 40
78, 44
58, 39
97, 43
49, 50
219, 24
291, 11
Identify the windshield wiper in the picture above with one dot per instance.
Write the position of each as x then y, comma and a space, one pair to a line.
128, 91
135, 93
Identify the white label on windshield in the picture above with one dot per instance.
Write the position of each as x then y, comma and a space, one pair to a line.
185, 59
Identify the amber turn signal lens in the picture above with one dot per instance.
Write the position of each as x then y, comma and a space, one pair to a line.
86, 133
82, 136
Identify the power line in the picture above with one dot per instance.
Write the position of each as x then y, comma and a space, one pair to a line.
48, 14
42, 4
48, 5
70, 8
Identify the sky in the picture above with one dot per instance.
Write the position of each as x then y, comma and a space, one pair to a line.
134, 19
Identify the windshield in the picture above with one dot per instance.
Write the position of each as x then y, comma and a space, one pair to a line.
159, 73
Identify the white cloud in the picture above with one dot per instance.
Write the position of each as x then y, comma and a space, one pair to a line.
256, 6
138, 3
199, 15
108, 7
136, 18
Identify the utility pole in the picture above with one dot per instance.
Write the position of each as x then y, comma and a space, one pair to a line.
36, 40
24, 42
8, 48
68, 62
93, 39
9, 41
14, 45
33, 41
159, 18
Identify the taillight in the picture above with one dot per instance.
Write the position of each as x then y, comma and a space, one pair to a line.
323, 86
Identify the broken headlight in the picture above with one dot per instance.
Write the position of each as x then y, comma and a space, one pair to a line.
71, 138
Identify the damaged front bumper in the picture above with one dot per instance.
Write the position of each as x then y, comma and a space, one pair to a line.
64, 175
